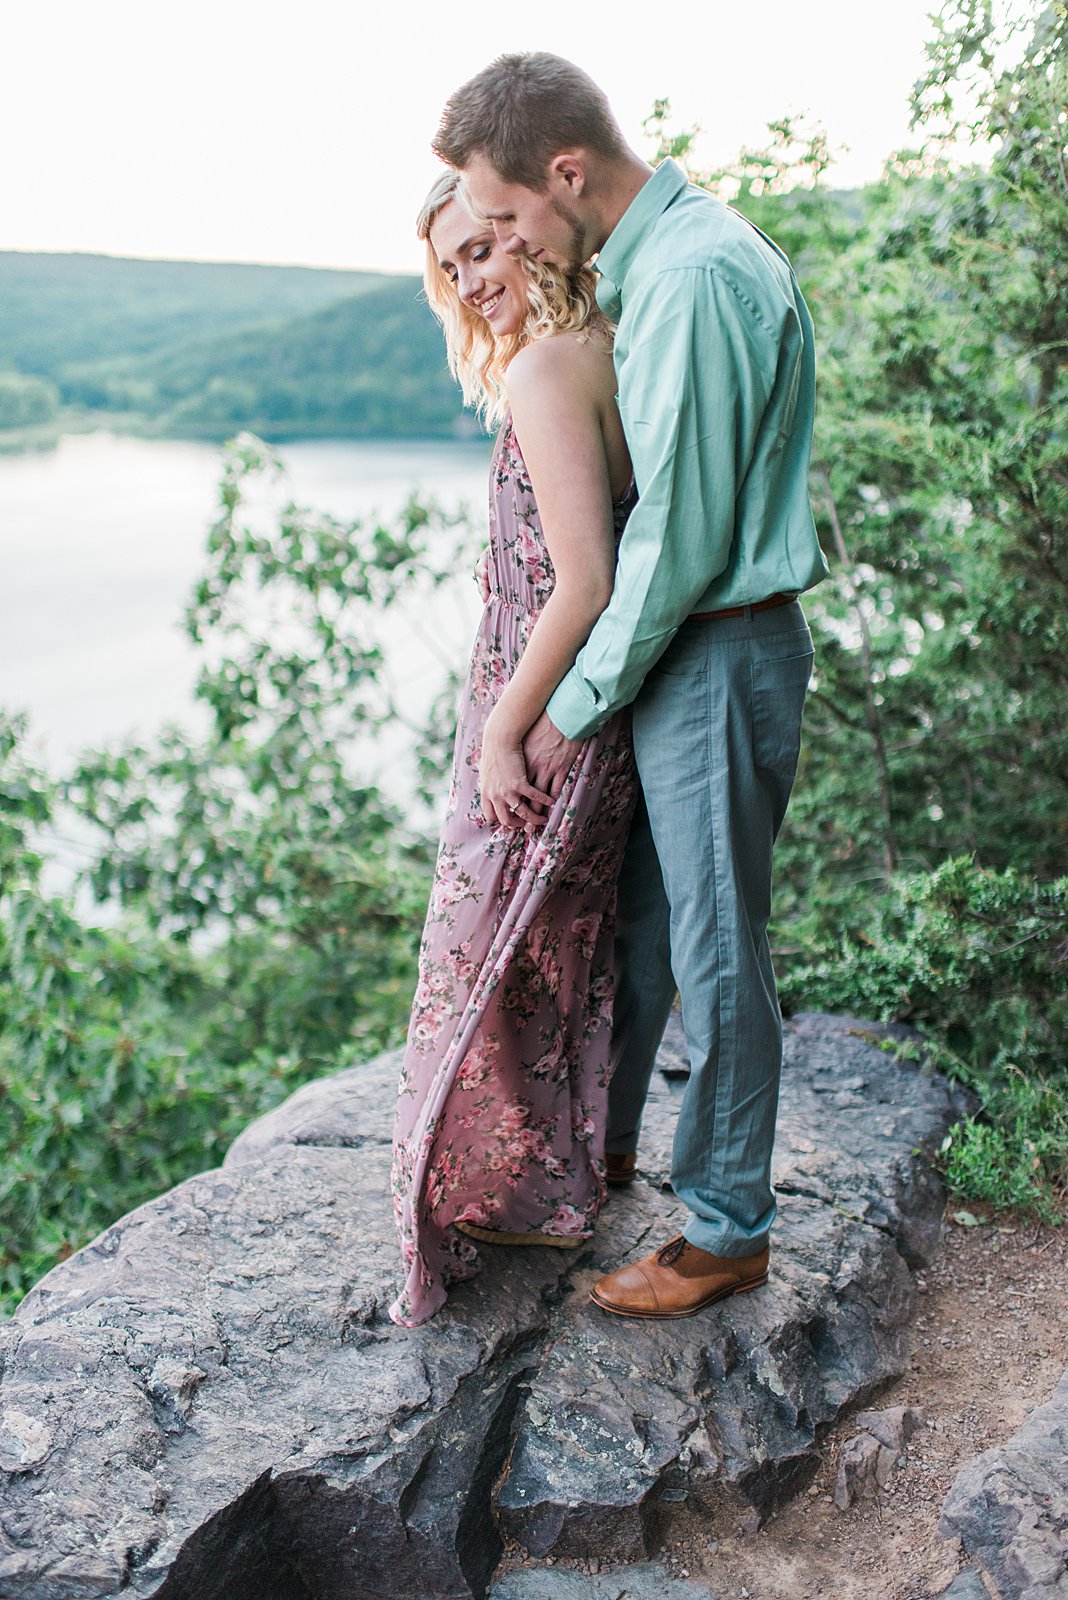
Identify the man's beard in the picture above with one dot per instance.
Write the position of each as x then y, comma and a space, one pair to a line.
578, 251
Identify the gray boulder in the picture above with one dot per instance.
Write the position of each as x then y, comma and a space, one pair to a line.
868, 1458
967, 1585
208, 1401
645, 1581
1009, 1507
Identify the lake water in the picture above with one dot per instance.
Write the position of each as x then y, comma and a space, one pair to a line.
101, 540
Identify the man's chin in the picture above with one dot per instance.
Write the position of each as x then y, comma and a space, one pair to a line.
552, 258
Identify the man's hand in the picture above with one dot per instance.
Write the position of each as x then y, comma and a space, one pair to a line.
549, 755
509, 800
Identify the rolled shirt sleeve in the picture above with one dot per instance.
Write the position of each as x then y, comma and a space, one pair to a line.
696, 370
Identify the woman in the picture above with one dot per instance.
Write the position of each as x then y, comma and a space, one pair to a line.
503, 1096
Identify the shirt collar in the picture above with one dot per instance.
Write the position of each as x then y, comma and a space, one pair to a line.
623, 243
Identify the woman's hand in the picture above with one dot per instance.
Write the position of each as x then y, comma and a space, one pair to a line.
482, 574
508, 799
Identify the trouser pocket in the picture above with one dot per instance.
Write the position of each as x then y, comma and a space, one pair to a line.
779, 689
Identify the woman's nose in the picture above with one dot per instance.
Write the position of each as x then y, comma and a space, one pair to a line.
468, 282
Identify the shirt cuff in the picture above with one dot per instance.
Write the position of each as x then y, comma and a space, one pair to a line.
572, 708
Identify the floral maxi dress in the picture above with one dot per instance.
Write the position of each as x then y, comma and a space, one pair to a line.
504, 1085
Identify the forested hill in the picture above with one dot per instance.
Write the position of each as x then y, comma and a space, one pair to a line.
56, 310
206, 348
371, 364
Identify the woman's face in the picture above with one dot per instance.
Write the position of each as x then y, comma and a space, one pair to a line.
487, 280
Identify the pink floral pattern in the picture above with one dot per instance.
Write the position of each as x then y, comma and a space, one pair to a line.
503, 1090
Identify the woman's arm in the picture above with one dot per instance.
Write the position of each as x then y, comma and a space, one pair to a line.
556, 389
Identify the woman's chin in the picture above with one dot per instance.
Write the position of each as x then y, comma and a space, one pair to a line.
505, 323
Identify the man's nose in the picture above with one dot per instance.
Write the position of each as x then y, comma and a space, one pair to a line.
507, 238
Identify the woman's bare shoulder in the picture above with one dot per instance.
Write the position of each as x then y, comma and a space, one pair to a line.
577, 362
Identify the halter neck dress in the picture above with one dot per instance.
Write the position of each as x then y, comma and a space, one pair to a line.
503, 1089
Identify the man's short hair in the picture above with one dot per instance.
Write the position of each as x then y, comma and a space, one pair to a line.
522, 110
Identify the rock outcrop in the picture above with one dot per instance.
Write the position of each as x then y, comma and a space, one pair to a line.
1009, 1507
645, 1581
967, 1585
208, 1402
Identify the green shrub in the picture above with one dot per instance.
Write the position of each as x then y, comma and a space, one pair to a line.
975, 960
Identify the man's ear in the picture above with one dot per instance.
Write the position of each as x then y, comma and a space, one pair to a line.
569, 168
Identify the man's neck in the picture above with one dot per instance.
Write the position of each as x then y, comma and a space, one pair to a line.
620, 183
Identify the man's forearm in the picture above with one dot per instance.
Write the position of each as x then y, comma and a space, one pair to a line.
572, 709
688, 447
658, 582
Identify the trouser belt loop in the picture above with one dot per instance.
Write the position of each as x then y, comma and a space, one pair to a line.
747, 613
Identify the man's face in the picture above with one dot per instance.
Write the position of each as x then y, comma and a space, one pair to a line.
546, 224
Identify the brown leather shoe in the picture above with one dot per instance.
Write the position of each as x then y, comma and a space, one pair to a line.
677, 1280
620, 1169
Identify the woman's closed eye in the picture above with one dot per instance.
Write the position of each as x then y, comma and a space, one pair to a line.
483, 253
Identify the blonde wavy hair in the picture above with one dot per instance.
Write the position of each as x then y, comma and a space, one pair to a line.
561, 301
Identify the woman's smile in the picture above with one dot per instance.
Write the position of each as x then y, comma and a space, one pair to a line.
484, 277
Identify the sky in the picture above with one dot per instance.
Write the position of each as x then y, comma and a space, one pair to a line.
229, 131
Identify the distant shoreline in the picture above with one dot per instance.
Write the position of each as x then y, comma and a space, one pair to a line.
45, 436
204, 350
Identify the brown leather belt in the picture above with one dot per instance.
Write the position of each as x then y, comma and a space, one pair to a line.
740, 611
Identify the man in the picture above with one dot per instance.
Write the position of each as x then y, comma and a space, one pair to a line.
704, 634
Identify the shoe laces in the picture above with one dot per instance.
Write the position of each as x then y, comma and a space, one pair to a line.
671, 1251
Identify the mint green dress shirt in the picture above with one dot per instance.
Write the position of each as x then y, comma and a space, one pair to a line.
716, 373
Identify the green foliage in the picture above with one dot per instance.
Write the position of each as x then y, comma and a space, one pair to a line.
366, 365
261, 831
951, 949
942, 481
95, 1111
198, 349
977, 961
128, 1061
269, 903
262, 903
25, 401
1002, 1164
940, 474
936, 728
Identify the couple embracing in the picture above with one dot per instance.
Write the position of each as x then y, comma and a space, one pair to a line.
630, 724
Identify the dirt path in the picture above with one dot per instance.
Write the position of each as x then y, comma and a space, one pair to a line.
990, 1341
